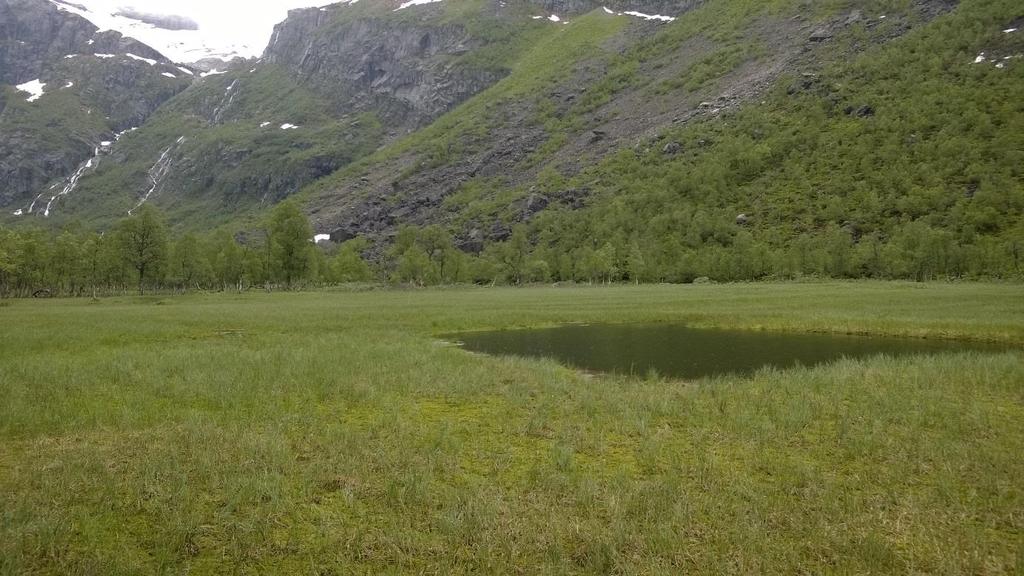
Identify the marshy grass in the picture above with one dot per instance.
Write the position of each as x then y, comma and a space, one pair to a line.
332, 433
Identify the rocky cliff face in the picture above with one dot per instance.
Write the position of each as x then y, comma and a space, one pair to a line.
403, 70
408, 69
90, 86
35, 34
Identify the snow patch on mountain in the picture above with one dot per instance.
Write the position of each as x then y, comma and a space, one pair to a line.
649, 16
34, 88
414, 3
149, 61
641, 15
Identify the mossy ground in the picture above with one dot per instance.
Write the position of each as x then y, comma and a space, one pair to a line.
333, 433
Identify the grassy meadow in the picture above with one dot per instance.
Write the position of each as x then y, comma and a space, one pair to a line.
332, 433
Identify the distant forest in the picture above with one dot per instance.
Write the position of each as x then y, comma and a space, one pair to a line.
141, 255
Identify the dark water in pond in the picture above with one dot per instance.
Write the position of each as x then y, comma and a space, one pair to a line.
682, 352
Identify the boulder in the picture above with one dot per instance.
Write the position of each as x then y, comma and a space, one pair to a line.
472, 243
342, 235
820, 35
499, 232
535, 203
863, 111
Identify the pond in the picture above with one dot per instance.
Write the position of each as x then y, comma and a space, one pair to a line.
690, 353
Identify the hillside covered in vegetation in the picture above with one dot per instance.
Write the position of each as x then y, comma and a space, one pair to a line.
886, 145
514, 142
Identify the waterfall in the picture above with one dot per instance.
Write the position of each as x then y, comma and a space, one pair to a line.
158, 172
72, 181
225, 103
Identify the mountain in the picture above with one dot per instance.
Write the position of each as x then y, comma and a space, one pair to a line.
334, 85
67, 91
732, 138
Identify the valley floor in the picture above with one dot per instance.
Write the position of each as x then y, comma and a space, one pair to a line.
332, 433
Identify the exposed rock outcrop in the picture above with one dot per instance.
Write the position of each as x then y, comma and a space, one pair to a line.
403, 71
34, 33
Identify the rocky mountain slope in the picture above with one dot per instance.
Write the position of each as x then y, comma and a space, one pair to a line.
653, 128
66, 92
334, 85
741, 140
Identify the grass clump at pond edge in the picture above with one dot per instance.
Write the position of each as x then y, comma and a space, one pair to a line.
291, 433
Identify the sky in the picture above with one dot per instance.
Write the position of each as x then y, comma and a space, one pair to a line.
226, 27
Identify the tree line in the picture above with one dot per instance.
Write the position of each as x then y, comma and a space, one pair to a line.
140, 255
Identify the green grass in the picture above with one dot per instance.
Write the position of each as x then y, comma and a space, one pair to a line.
331, 433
